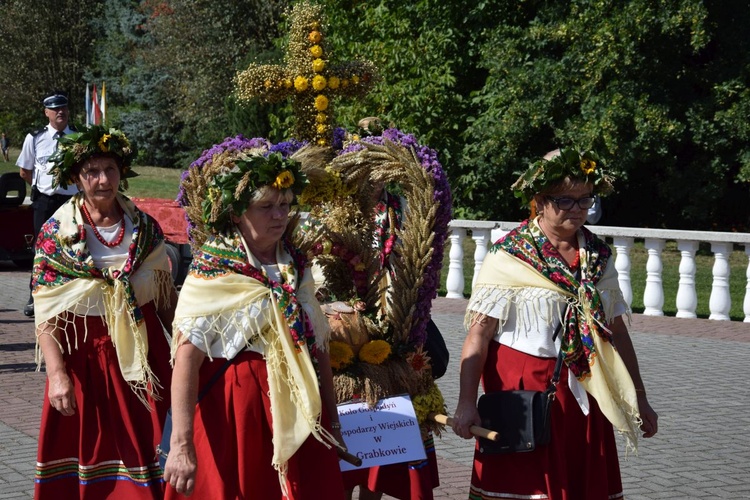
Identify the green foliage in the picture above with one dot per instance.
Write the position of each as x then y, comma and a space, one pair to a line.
424, 55
654, 87
169, 69
199, 46
138, 98
658, 89
46, 45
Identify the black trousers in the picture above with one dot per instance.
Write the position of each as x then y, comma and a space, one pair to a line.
44, 207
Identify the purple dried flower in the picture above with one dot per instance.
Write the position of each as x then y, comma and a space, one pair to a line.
339, 134
287, 148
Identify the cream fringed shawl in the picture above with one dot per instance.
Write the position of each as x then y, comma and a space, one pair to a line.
506, 282
224, 271
66, 284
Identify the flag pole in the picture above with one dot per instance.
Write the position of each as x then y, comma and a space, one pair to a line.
88, 105
103, 105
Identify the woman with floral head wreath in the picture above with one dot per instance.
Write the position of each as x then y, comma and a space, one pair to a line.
103, 293
547, 271
268, 425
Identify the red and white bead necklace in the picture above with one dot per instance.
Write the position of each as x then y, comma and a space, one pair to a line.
99, 237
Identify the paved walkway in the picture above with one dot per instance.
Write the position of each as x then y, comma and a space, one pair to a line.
696, 372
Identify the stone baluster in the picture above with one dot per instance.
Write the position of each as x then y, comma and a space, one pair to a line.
454, 283
687, 300
622, 264
653, 295
481, 240
746, 303
720, 302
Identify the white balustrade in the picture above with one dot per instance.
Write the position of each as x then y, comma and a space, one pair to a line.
481, 240
653, 295
454, 284
623, 239
687, 299
480, 232
720, 302
622, 264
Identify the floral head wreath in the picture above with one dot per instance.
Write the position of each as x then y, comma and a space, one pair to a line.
224, 179
585, 166
230, 191
78, 147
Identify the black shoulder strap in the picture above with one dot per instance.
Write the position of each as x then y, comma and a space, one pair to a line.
38, 131
559, 363
217, 375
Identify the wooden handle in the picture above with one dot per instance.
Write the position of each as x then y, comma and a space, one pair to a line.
345, 455
474, 429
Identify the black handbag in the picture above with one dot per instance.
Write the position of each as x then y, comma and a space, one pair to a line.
521, 418
162, 449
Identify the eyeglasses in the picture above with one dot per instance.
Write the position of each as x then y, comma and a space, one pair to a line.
565, 203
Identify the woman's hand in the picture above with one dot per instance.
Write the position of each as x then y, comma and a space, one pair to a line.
473, 358
61, 394
179, 471
182, 462
60, 391
648, 416
465, 416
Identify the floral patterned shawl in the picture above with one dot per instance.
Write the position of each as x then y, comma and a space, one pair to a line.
66, 283
523, 261
289, 330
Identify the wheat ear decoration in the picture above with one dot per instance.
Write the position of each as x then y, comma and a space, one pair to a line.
413, 250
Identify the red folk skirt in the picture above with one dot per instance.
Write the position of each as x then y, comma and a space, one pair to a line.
105, 450
232, 435
580, 463
405, 481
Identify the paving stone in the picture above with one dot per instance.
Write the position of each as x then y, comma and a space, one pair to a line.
695, 370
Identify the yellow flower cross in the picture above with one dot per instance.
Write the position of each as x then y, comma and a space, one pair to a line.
308, 77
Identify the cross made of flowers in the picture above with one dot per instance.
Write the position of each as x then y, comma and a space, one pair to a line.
308, 77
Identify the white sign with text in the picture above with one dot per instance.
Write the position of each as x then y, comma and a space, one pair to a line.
386, 433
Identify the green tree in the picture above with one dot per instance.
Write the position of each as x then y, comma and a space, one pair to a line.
46, 45
198, 46
658, 88
426, 53
137, 101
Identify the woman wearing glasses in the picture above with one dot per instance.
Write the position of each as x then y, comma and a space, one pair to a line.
550, 271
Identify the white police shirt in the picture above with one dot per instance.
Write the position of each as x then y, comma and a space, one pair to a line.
37, 148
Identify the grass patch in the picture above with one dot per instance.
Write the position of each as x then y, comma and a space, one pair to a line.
155, 182
152, 182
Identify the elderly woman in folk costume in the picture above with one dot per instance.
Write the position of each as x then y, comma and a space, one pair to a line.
103, 292
268, 426
549, 270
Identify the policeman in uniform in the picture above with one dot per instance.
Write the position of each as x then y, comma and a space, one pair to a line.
37, 148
